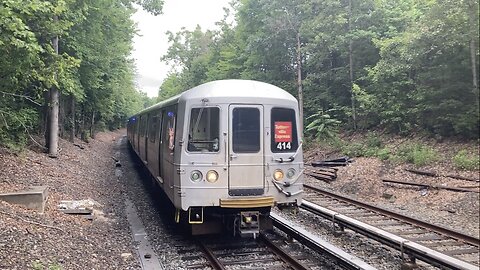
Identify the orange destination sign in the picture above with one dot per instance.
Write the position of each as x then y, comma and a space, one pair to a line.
283, 132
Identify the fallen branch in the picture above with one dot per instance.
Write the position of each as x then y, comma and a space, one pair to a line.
32, 222
79, 146
342, 161
328, 164
320, 177
462, 178
430, 186
323, 172
469, 186
434, 174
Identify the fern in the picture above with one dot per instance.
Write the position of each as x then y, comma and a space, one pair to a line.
322, 124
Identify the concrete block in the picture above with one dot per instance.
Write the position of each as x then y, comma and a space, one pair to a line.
33, 198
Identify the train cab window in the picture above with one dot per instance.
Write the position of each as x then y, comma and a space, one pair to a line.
246, 130
203, 130
283, 130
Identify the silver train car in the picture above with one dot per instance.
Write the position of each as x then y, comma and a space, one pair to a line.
224, 153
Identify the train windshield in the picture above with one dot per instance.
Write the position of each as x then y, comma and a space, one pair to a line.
284, 130
246, 130
204, 129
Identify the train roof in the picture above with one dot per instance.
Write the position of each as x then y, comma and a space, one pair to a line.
228, 89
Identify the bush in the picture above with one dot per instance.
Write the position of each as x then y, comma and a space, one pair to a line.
354, 149
417, 154
15, 125
373, 141
383, 154
322, 125
371, 146
462, 160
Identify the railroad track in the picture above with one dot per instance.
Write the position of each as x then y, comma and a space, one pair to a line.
262, 253
270, 251
415, 239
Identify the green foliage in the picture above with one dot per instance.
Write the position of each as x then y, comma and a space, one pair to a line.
322, 124
354, 149
411, 59
417, 154
15, 126
370, 146
384, 153
37, 265
462, 160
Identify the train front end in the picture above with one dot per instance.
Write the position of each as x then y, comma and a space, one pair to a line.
241, 156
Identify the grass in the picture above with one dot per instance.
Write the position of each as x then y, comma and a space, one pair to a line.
417, 154
37, 265
413, 152
462, 160
373, 146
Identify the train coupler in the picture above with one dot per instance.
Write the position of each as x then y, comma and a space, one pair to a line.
249, 224
195, 215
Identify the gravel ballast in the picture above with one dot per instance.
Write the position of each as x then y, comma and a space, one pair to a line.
30, 240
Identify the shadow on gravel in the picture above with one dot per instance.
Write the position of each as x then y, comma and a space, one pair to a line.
147, 195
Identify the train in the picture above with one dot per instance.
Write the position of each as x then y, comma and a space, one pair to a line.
224, 153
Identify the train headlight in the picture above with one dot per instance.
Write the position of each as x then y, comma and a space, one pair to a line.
278, 175
291, 173
196, 176
212, 176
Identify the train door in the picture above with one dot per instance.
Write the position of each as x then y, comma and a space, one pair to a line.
159, 146
140, 119
146, 133
133, 129
167, 148
246, 162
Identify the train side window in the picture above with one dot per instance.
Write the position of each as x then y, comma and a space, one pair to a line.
152, 127
170, 128
283, 130
246, 130
203, 131
142, 126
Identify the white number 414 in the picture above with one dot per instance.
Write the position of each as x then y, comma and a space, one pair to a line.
284, 145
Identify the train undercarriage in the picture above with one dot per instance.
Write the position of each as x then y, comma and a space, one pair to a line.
211, 220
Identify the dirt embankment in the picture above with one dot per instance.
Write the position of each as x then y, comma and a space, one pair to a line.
54, 240
362, 180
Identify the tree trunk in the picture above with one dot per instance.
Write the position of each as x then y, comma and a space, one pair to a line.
92, 126
45, 127
61, 116
473, 20
72, 118
350, 56
299, 83
54, 106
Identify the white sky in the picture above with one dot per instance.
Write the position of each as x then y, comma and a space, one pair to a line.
152, 43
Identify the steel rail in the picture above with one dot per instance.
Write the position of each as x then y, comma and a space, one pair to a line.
405, 246
314, 242
432, 227
214, 262
282, 254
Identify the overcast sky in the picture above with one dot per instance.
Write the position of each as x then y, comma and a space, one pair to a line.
152, 42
